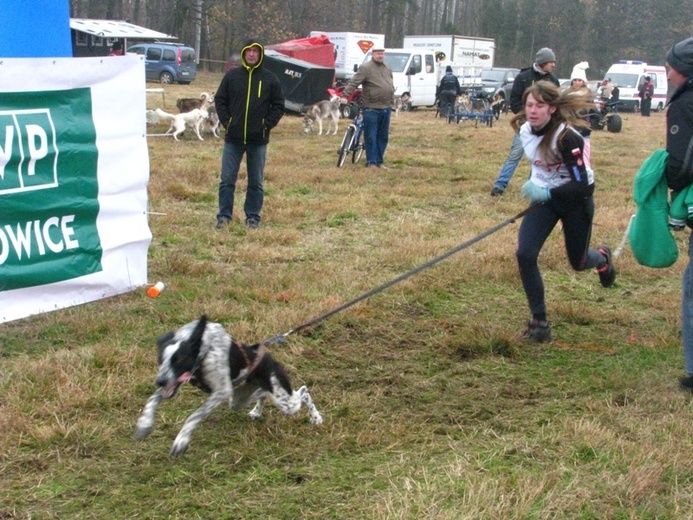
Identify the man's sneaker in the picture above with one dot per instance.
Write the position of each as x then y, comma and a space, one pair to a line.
686, 384
537, 332
497, 192
222, 222
252, 223
607, 273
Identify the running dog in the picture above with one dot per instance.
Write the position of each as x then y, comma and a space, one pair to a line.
322, 110
188, 104
193, 119
205, 355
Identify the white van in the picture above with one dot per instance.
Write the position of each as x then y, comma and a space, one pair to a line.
630, 75
414, 72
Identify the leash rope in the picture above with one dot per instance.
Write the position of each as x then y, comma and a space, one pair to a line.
281, 338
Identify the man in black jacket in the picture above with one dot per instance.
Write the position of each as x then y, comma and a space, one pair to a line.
249, 103
541, 70
447, 92
679, 175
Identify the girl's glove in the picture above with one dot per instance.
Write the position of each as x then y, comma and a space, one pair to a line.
535, 193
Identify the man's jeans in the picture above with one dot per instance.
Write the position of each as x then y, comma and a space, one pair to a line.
230, 164
376, 128
687, 311
510, 164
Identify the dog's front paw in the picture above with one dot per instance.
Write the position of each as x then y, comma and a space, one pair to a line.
143, 432
316, 418
254, 415
179, 448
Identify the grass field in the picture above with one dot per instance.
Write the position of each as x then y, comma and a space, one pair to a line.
433, 410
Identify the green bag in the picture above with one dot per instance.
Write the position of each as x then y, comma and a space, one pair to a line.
650, 237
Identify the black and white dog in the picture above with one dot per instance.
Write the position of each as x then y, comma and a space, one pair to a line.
204, 354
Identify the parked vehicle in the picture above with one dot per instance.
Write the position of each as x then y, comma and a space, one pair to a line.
167, 62
630, 75
497, 81
350, 49
460, 51
603, 115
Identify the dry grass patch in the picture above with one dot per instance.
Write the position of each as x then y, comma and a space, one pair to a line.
433, 408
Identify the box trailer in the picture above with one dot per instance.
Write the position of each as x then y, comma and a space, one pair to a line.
350, 49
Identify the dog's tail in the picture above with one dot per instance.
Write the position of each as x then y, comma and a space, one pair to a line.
164, 115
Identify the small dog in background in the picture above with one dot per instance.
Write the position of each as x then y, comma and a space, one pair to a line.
498, 106
193, 119
204, 354
188, 104
321, 111
401, 103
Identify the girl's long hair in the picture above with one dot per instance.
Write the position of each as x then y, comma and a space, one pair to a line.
569, 104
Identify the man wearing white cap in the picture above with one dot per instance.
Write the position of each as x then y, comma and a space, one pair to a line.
378, 97
544, 64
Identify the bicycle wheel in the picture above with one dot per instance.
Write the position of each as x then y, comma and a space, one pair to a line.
346, 142
357, 147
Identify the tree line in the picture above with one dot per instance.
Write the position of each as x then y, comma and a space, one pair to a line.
598, 31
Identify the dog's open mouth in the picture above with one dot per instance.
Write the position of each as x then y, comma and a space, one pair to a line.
170, 390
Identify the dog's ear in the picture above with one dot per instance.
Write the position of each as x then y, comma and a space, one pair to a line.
165, 339
195, 338
163, 342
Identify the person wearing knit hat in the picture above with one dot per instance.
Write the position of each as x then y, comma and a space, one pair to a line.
679, 175
541, 70
578, 78
447, 92
680, 58
578, 85
545, 55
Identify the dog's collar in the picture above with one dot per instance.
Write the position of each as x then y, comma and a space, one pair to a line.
251, 366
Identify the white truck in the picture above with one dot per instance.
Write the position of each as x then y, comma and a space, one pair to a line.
350, 49
629, 75
467, 55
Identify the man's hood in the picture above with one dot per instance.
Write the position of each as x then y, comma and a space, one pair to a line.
252, 43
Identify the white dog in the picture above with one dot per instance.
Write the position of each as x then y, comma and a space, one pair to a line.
322, 110
193, 119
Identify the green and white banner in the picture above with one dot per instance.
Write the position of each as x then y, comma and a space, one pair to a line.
74, 168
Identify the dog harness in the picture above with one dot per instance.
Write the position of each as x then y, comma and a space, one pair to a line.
259, 355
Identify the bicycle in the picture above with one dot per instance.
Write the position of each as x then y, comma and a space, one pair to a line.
352, 143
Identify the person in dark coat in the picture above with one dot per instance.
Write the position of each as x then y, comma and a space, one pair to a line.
679, 175
448, 91
249, 102
646, 92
